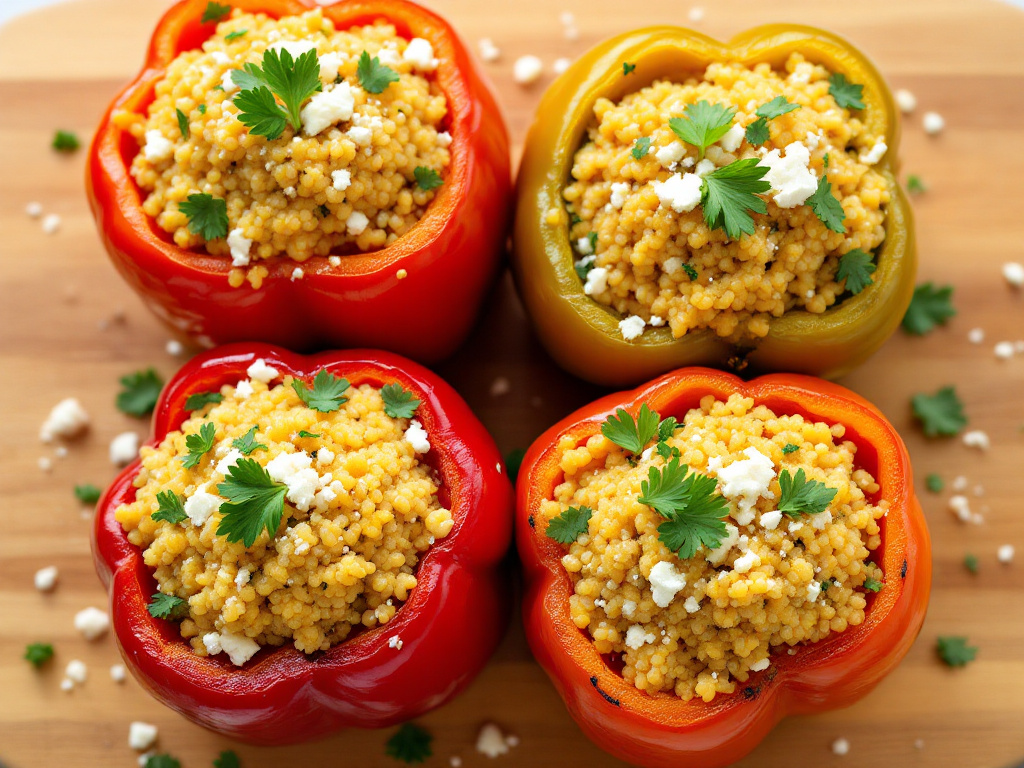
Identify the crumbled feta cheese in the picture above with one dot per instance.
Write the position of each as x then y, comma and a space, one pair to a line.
657, 321
297, 274
874, 154
51, 223
356, 223
670, 154
124, 448
906, 101
334, 261
395, 642
201, 504
761, 664
92, 623
770, 520
341, 180
158, 147
1004, 350
491, 741
933, 123
295, 47
417, 437
619, 191
717, 555
820, 520
240, 246
45, 463
976, 335
840, 747
745, 481
295, 470
141, 736
691, 605
680, 192
243, 389
746, 561
632, 327
330, 63
696, 14
239, 648
584, 246
334, 104
360, 134
228, 461
672, 265
732, 139
46, 578
1005, 553
960, 505
118, 673
527, 69
67, 419
174, 348
261, 371
227, 83
67, 685
488, 50
636, 637
666, 582
704, 167
976, 438
324, 456
597, 281
628, 607
1014, 273
420, 53
34, 210
792, 181
813, 590
560, 65
76, 671
219, 57
959, 483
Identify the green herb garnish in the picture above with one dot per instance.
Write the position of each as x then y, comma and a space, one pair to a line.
227, 759
568, 526
627, 68
690, 271
776, 108
139, 393
790, 448
873, 585
182, 124
255, 502
410, 744
65, 141
304, 433
693, 509
247, 442
170, 508
373, 76
703, 124
170, 607
971, 562
730, 194
934, 483
641, 147
632, 435
856, 267
87, 493
214, 12
235, 35
847, 94
207, 215
826, 206
398, 403
427, 178
293, 80
929, 307
202, 109
162, 761
802, 496
954, 651
199, 444
941, 413
201, 399
757, 132
38, 654
327, 393
915, 186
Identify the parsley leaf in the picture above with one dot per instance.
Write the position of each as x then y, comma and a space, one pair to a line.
513, 462
826, 206
200, 399
373, 76
254, 503
583, 267
690, 272
730, 194
915, 186
235, 35
398, 403
855, 267
873, 585
693, 510
641, 147
702, 124
182, 123
247, 442
627, 68
632, 435
971, 562
592, 237
202, 109
65, 141
293, 80
207, 215
410, 744
199, 444
934, 483
170, 607
566, 527
227, 759
38, 654
667, 428
162, 761
140, 392
304, 433
757, 132
427, 178
930, 307
941, 413
789, 448
87, 493
667, 451
847, 94
327, 393
214, 12
259, 111
776, 107
954, 651
170, 508
802, 496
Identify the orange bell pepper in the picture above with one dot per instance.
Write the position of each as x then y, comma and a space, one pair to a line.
660, 730
582, 335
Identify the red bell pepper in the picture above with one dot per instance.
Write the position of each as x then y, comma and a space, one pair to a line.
453, 620
660, 730
454, 251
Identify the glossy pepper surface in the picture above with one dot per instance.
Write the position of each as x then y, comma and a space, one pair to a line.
454, 251
449, 626
660, 730
583, 335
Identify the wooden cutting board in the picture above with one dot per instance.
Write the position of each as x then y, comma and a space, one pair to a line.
71, 328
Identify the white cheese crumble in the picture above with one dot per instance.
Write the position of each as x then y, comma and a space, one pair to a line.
118, 673
760, 665
933, 123
560, 65
704, 167
692, 605
488, 50
297, 274
666, 582
227, 83
51, 223
67, 419
1005, 553
1013, 271
527, 69
597, 281
584, 246
636, 637
906, 101
619, 191
840, 747
360, 134
680, 192
242, 577
717, 555
491, 741
141, 736
46, 578
632, 327
416, 436
745, 481
92, 623
976, 335
746, 561
158, 147
239, 648
334, 104
792, 181
420, 53
261, 371
976, 438
124, 448
341, 180
295, 471
657, 321
34, 210
228, 461
696, 14
174, 348
876, 153
201, 504
670, 154
1004, 350
395, 642
243, 389
240, 246
770, 520
732, 139
356, 223
330, 63
813, 590
76, 671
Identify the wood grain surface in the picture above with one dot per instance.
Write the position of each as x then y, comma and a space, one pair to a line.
70, 327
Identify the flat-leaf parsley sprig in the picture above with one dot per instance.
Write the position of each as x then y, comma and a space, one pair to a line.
702, 124
292, 80
570, 525
730, 194
255, 502
327, 393
634, 435
801, 496
693, 510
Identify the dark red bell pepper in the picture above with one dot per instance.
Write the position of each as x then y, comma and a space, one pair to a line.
451, 623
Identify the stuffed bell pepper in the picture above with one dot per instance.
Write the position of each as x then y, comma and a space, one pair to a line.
306, 544
705, 556
687, 202
307, 176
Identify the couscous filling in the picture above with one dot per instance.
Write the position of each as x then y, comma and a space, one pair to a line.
359, 155
359, 510
639, 199
790, 566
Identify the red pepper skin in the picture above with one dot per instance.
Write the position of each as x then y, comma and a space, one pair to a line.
452, 622
455, 251
660, 730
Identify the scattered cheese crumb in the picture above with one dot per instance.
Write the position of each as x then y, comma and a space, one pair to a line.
239, 648
791, 179
597, 281
239, 245
745, 481
201, 504
420, 53
560, 65
174, 348
46, 578
840, 747
670, 154
527, 69
76, 671
976, 335
395, 642
124, 448
666, 582
488, 50
45, 463
976, 438
632, 327
933, 123
636, 636
297, 274
34, 210
691, 605
417, 437
260, 371
1014, 273
92, 623
696, 14
960, 505
67, 419
491, 742
118, 673
1005, 553
158, 147
356, 223
906, 101
813, 590
717, 555
141, 736
876, 153
243, 389
341, 180
680, 192
455, 761
51, 223
67, 685
760, 665
1004, 350
732, 139
619, 191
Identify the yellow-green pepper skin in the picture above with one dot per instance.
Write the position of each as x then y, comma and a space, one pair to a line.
582, 335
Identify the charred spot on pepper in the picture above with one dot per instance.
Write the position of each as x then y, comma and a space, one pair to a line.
531, 521
607, 697
751, 692
903, 569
